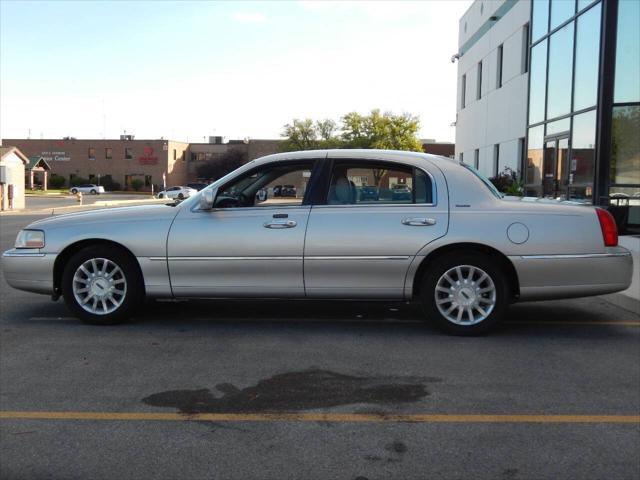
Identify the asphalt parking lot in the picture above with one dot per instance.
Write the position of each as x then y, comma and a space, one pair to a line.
279, 390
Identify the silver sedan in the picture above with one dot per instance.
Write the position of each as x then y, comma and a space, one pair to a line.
362, 224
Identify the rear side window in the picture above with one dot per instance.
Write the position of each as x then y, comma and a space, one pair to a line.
356, 183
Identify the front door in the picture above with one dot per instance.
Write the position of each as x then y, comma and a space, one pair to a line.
251, 243
374, 218
555, 180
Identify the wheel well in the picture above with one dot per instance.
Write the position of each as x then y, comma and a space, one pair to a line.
504, 262
64, 256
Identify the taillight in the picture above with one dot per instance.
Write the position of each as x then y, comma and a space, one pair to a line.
608, 227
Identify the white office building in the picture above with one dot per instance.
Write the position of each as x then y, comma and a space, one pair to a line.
493, 62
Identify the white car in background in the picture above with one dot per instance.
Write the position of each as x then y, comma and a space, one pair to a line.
177, 192
87, 188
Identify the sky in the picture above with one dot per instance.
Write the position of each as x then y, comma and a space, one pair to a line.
187, 70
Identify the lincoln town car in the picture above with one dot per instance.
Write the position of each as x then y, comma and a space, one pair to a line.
450, 242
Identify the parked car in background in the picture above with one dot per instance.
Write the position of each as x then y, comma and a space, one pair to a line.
458, 247
178, 192
89, 188
369, 193
400, 192
288, 191
197, 186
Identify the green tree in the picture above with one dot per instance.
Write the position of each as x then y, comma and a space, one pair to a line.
376, 130
216, 168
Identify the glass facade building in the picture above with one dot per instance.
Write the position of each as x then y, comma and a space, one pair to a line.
583, 121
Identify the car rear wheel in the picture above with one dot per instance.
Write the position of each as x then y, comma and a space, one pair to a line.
161, 196
102, 285
74, 191
181, 196
464, 293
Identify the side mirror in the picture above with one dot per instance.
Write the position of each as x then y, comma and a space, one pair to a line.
207, 197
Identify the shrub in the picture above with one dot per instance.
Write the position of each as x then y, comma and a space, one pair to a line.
507, 182
75, 181
137, 184
56, 181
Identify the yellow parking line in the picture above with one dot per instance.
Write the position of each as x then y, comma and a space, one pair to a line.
319, 417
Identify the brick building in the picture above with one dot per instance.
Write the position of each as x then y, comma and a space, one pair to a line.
121, 161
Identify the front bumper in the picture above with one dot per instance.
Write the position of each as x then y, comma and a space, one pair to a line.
546, 277
29, 270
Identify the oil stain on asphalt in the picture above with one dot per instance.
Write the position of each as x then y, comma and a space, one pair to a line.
295, 391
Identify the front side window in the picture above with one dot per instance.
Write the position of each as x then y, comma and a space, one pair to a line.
378, 183
275, 185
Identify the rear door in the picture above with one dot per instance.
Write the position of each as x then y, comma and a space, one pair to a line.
374, 218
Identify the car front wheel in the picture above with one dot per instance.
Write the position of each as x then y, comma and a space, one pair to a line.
161, 196
93, 192
181, 196
102, 285
74, 191
464, 294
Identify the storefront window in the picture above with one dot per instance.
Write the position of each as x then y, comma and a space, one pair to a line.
560, 69
587, 48
537, 82
627, 80
533, 166
561, 10
540, 19
625, 149
583, 155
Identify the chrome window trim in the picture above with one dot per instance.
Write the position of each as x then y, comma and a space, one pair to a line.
569, 256
254, 208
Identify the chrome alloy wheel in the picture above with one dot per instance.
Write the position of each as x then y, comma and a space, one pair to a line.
99, 286
465, 295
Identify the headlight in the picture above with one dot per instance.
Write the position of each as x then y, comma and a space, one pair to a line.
30, 239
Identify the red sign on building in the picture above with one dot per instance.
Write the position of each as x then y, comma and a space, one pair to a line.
147, 157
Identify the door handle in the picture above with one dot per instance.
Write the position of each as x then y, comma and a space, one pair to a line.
419, 222
280, 224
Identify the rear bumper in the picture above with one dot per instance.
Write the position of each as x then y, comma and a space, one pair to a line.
545, 277
29, 270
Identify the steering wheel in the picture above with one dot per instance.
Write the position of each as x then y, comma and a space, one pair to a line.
240, 200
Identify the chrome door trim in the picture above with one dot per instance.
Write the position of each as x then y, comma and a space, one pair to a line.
359, 257
213, 259
580, 255
10, 253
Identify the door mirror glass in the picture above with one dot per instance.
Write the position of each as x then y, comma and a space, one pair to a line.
207, 197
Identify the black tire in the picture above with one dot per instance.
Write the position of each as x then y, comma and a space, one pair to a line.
93, 192
161, 196
465, 260
181, 196
74, 191
134, 291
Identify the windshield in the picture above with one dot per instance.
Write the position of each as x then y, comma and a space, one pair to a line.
484, 179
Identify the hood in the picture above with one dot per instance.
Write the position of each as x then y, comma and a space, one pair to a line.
108, 215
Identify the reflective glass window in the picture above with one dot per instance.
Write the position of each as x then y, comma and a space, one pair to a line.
587, 48
584, 3
560, 68
540, 19
583, 154
558, 126
627, 80
537, 82
561, 10
533, 166
625, 149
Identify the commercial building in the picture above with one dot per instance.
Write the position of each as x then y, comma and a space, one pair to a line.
117, 163
551, 90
